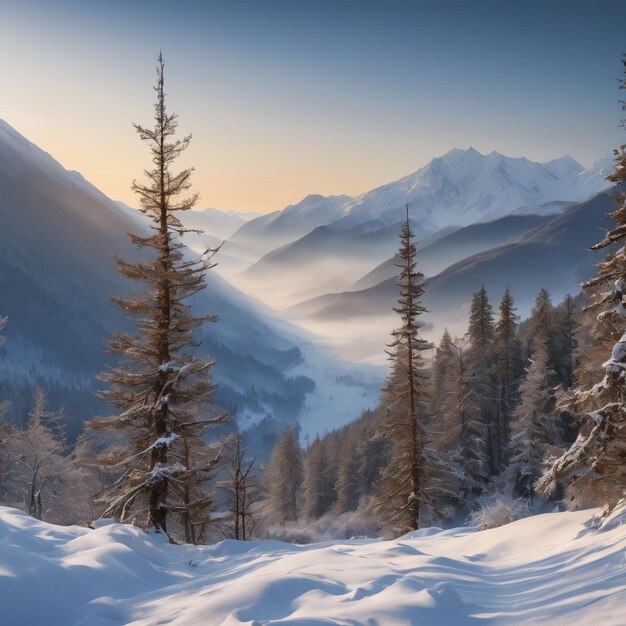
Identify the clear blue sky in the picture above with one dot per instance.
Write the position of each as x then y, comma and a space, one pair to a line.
289, 98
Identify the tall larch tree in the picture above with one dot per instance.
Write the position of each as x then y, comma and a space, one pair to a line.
403, 489
508, 367
161, 390
594, 467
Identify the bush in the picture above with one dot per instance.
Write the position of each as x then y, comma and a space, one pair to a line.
498, 510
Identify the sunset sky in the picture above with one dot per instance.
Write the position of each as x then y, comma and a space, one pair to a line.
290, 98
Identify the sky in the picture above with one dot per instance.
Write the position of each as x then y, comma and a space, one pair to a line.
287, 98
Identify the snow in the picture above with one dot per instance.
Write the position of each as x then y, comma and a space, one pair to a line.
463, 187
550, 569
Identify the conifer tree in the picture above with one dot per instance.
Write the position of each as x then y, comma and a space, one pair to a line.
566, 327
532, 425
284, 478
313, 481
403, 489
508, 366
442, 395
541, 327
482, 411
160, 389
347, 487
595, 465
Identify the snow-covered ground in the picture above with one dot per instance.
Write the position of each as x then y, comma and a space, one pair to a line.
548, 569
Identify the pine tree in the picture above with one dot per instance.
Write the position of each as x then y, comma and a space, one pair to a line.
313, 481
531, 426
284, 478
566, 327
595, 465
508, 367
442, 396
347, 487
482, 410
161, 390
402, 487
541, 327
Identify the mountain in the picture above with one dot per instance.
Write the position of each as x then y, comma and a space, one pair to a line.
219, 223
554, 255
276, 229
58, 238
435, 256
325, 259
325, 245
463, 187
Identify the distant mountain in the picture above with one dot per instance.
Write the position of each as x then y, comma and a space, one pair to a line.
321, 245
463, 187
276, 229
554, 255
58, 238
324, 259
450, 248
216, 223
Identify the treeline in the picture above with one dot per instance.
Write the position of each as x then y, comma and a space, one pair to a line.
489, 422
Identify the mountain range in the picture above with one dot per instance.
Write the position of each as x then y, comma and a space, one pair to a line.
327, 245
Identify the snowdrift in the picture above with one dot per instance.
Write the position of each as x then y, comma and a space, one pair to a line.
548, 569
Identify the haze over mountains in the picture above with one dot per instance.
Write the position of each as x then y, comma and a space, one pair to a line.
58, 240
329, 262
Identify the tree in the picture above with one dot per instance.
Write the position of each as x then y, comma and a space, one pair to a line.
284, 478
161, 390
4, 404
595, 464
313, 481
467, 434
508, 367
482, 405
532, 423
442, 395
37, 464
405, 398
541, 327
348, 492
566, 327
243, 485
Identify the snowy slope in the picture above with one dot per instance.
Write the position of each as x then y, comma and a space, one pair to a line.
551, 569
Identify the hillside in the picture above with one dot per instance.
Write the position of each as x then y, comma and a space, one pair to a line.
58, 240
551, 569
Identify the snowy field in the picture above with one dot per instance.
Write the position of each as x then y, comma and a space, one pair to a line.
549, 569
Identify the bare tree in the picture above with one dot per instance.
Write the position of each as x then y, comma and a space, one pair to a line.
243, 484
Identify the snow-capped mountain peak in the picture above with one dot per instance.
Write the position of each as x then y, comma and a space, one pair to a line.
465, 186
